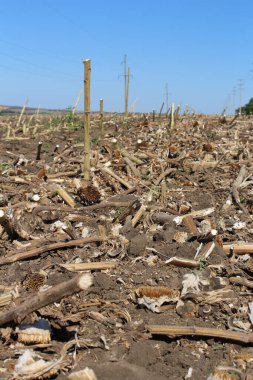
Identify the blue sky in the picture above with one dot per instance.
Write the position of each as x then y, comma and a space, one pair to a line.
201, 48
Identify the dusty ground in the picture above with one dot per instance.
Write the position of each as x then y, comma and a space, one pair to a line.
110, 322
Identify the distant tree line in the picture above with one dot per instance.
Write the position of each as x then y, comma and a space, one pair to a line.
247, 109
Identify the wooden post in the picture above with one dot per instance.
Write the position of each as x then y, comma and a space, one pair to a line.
86, 167
153, 115
101, 107
161, 110
172, 122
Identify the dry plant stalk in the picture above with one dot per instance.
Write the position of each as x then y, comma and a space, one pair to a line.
182, 262
138, 215
5, 299
101, 109
172, 120
241, 281
241, 337
54, 294
8, 132
99, 265
22, 113
82, 210
156, 292
237, 183
63, 174
163, 175
112, 174
131, 157
195, 214
65, 196
86, 166
238, 249
207, 249
14, 256
190, 225
163, 195
77, 102
135, 171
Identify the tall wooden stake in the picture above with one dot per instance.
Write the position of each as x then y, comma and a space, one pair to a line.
172, 120
101, 107
86, 166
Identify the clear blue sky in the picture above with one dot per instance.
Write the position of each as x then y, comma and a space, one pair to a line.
201, 48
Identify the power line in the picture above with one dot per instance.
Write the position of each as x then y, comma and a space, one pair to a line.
45, 68
38, 52
18, 70
36, 65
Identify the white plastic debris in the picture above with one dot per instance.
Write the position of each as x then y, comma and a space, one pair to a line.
155, 304
115, 229
86, 232
84, 374
34, 197
244, 258
190, 283
199, 213
189, 373
58, 226
28, 365
239, 225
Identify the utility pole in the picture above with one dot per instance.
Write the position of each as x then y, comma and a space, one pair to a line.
167, 97
234, 94
126, 81
161, 110
101, 110
127, 91
229, 104
240, 95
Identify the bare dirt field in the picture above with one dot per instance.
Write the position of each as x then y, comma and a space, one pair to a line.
143, 272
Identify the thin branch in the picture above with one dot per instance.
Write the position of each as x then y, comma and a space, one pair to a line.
45, 248
201, 331
54, 294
